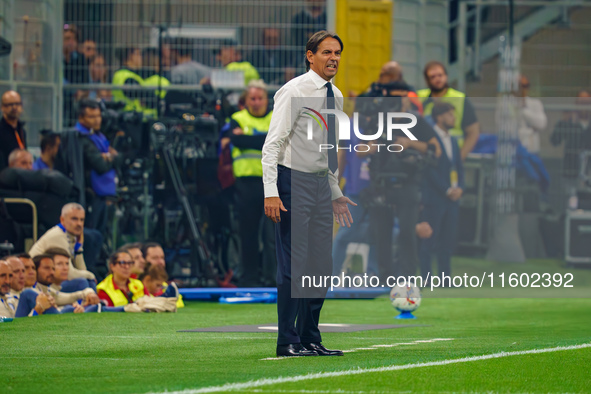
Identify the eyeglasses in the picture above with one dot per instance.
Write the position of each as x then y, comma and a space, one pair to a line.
125, 262
12, 104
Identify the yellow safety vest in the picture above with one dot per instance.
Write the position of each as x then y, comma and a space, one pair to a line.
455, 98
123, 75
119, 78
247, 162
250, 72
116, 295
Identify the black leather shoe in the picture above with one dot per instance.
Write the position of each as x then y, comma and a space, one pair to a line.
321, 350
294, 350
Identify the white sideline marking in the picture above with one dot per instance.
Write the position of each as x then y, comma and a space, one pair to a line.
373, 347
359, 371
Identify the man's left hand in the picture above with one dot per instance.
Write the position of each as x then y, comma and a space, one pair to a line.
341, 211
91, 299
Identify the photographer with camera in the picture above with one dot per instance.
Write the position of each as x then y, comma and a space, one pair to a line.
395, 176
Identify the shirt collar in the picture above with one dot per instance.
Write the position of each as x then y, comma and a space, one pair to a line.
82, 129
442, 133
317, 79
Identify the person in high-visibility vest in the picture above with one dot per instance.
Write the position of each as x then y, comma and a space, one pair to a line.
231, 59
118, 288
129, 75
247, 132
466, 128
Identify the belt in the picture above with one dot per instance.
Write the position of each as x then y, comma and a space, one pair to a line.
320, 174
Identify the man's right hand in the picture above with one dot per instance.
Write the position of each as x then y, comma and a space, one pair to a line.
273, 208
43, 303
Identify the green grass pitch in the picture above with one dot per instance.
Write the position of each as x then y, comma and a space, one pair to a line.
139, 353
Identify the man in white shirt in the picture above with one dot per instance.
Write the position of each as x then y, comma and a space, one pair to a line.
301, 195
533, 118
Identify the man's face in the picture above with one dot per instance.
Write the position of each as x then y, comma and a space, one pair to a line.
257, 101
155, 256
448, 119
5, 278
70, 42
139, 264
62, 267
271, 38
98, 69
23, 160
228, 55
436, 78
46, 271
73, 221
30, 272
53, 150
91, 119
325, 62
12, 106
18, 274
89, 49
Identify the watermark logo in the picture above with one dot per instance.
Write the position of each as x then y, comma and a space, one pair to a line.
393, 120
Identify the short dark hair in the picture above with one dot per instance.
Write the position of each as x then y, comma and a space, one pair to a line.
183, 47
113, 257
154, 271
72, 29
55, 251
87, 103
37, 259
23, 256
441, 108
433, 64
149, 245
134, 245
124, 53
315, 41
48, 139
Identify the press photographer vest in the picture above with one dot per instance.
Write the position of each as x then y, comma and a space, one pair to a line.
247, 162
135, 286
455, 98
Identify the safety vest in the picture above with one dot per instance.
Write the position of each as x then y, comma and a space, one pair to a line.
250, 72
123, 75
119, 78
247, 162
455, 98
135, 286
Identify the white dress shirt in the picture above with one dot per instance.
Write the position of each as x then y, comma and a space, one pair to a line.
533, 121
446, 139
287, 143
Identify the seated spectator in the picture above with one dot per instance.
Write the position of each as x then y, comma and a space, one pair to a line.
118, 288
188, 71
38, 300
139, 264
7, 301
230, 58
20, 158
154, 255
88, 49
271, 59
153, 278
61, 261
98, 74
68, 235
30, 272
50, 145
18, 275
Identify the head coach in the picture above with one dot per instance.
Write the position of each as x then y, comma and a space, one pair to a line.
302, 194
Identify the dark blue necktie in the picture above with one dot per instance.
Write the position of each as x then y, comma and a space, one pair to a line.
333, 163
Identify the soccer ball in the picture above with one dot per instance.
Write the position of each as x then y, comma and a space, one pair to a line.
405, 298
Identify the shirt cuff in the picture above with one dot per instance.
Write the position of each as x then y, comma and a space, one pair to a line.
336, 191
271, 190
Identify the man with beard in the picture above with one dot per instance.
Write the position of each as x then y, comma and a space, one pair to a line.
466, 128
12, 133
38, 300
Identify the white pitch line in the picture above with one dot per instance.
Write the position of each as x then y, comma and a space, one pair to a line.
319, 375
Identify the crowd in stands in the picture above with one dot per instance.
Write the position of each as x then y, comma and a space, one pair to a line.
53, 278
